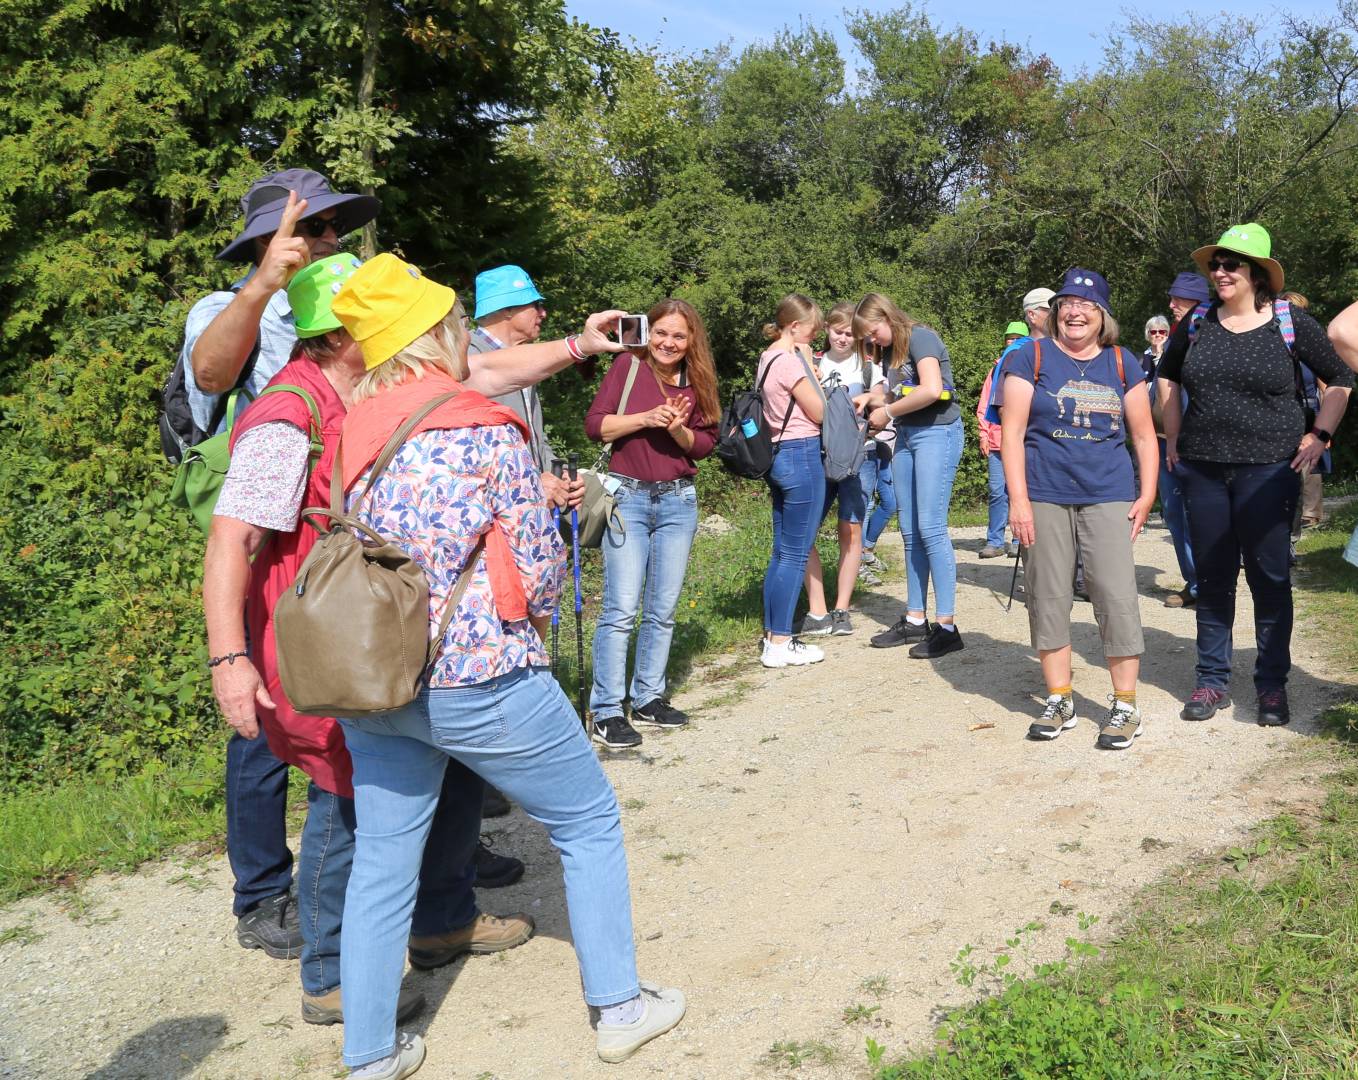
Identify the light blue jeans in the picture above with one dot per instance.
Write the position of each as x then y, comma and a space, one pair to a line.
998, 500
797, 482
519, 733
643, 568
878, 490
923, 468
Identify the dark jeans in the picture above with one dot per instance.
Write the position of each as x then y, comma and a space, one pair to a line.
445, 900
1237, 511
1175, 514
256, 822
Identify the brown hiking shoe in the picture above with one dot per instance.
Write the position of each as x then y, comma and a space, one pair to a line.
484, 934
329, 1008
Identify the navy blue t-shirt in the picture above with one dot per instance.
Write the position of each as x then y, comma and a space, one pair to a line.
1075, 447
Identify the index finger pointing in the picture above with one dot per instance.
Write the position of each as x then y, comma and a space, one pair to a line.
292, 214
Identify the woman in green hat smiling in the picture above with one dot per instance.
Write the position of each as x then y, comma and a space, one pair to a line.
1242, 442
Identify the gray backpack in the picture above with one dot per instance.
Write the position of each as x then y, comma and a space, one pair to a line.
843, 432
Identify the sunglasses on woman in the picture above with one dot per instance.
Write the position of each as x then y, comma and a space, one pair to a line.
1229, 265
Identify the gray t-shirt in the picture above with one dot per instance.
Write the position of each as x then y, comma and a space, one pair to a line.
924, 342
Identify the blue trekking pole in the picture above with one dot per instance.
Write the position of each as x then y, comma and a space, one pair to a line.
556, 608
579, 605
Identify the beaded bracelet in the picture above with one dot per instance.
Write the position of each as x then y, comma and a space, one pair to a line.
229, 658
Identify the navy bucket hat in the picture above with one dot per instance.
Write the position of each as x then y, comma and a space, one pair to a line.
1087, 284
264, 203
1190, 287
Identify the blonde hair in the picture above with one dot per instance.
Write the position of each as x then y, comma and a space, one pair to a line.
1108, 333
841, 314
875, 308
442, 346
794, 307
1295, 299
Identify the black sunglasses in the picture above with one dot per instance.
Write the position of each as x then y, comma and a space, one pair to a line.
1229, 265
315, 227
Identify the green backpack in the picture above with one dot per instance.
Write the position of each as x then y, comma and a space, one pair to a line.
198, 479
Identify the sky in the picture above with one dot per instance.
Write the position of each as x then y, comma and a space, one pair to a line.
1073, 35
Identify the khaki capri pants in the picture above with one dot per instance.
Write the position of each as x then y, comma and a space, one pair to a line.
1103, 534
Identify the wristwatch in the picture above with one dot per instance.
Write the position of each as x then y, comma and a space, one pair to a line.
1323, 435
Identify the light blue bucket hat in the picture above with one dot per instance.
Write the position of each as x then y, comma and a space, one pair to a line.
502, 287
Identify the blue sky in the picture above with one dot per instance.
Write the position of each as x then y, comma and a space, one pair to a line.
1073, 35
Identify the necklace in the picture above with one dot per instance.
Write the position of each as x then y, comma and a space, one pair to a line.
1083, 365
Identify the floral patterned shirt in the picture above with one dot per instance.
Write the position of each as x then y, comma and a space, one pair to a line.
446, 487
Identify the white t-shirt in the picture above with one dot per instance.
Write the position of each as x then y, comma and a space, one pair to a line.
849, 372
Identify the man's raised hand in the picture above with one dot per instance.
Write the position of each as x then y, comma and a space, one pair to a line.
287, 253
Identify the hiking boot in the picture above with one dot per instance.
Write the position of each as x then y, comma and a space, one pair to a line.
493, 804
816, 625
867, 577
1122, 725
901, 632
494, 871
484, 934
940, 642
990, 551
659, 713
614, 732
871, 560
790, 653
662, 1009
329, 1008
1204, 702
272, 925
1057, 716
1183, 598
405, 1061
841, 627
1273, 710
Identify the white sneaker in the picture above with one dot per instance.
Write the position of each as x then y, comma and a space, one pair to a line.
790, 653
662, 1009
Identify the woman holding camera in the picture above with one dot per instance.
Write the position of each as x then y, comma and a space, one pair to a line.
666, 426
462, 496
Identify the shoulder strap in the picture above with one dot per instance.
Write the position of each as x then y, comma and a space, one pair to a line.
317, 445
606, 453
1196, 316
810, 372
1282, 312
1037, 359
1122, 375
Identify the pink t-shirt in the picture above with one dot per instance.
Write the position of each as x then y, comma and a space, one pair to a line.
786, 370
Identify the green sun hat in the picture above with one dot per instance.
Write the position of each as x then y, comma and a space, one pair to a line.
313, 288
1252, 241
1016, 329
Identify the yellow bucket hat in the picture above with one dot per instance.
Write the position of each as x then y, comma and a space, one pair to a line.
386, 304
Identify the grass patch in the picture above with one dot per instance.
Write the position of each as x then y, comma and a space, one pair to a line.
1247, 969
60, 835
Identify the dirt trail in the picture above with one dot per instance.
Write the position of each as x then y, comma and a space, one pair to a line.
812, 829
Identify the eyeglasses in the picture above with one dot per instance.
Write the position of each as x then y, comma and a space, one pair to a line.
1078, 305
315, 227
1229, 265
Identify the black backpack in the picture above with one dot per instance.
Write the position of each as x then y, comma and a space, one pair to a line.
744, 444
177, 428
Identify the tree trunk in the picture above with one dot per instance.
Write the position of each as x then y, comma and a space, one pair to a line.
366, 84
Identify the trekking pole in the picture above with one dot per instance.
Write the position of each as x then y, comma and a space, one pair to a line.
556, 608
579, 605
1013, 582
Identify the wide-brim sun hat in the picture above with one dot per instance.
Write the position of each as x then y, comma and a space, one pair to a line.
1087, 284
312, 291
264, 203
387, 304
503, 287
1252, 241
1190, 287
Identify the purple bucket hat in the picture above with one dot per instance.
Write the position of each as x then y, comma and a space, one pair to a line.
1087, 284
264, 203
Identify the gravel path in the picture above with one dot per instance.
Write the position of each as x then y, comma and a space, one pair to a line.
812, 830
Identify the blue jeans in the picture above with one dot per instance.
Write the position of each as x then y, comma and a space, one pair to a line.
256, 822
924, 466
797, 481
998, 494
1175, 513
849, 494
1235, 511
446, 898
644, 567
879, 491
519, 733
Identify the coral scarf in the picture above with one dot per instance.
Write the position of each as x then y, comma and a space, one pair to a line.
373, 421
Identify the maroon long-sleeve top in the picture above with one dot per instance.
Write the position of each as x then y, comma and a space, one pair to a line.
651, 453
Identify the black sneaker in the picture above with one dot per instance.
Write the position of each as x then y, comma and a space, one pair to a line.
1273, 710
272, 925
940, 642
659, 713
495, 871
1204, 702
901, 632
841, 626
614, 732
493, 804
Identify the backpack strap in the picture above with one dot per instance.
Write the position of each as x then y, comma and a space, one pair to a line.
1122, 375
1195, 317
1282, 314
317, 443
606, 452
393, 444
1037, 359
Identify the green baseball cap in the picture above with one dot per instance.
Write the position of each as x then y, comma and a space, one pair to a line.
1016, 329
312, 289
1252, 241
